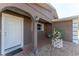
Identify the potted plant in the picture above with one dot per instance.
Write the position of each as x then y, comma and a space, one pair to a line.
56, 38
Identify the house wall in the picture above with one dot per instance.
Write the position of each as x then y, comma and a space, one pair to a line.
65, 26
27, 31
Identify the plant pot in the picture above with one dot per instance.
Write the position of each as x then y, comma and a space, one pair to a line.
57, 43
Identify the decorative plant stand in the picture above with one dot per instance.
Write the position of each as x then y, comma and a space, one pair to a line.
57, 43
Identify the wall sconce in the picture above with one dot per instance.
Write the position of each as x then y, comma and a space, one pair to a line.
36, 18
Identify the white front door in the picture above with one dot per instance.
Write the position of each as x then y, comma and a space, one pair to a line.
12, 31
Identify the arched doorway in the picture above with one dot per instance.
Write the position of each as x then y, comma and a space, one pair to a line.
27, 33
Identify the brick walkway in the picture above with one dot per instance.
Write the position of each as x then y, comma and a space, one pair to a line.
69, 49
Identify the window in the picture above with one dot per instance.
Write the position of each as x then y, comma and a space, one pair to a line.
40, 27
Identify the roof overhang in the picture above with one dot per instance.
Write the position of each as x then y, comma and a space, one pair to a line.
66, 19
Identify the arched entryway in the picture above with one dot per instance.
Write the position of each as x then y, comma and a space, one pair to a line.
27, 28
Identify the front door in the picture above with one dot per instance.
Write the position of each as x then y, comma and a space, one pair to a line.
12, 32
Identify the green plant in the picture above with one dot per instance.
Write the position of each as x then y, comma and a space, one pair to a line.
50, 35
56, 34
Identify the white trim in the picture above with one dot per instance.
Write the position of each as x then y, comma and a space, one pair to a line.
3, 33
22, 34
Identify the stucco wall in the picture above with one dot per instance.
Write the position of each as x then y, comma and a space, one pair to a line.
27, 31
66, 26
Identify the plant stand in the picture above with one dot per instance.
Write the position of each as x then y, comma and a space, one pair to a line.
57, 43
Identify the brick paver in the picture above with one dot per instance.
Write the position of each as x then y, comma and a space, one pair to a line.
69, 49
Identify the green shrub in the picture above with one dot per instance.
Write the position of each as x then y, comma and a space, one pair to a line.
56, 34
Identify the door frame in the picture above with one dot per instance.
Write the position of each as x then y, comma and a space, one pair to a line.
3, 32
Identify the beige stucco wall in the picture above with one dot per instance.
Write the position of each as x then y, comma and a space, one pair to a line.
66, 26
27, 31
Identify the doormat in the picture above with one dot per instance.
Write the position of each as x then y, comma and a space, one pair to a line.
14, 52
